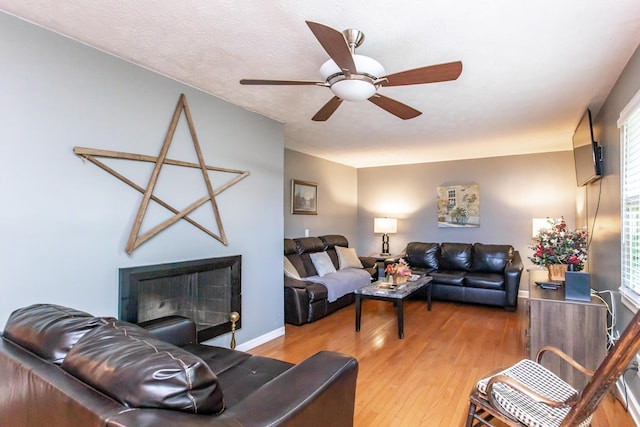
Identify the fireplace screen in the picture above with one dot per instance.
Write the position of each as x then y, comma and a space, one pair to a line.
205, 290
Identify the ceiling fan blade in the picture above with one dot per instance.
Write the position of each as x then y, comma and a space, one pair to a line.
428, 74
280, 82
335, 44
327, 110
394, 107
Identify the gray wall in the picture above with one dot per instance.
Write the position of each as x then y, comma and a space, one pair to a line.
605, 247
337, 197
64, 222
513, 190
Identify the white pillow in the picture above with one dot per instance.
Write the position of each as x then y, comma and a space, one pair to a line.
290, 270
322, 263
347, 258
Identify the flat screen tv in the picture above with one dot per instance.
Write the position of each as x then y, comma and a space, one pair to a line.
586, 152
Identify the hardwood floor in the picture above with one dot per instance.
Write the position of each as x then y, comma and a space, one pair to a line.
425, 378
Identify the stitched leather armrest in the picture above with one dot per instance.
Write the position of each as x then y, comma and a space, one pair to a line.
319, 391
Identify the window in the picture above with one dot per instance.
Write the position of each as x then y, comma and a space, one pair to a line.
629, 124
451, 195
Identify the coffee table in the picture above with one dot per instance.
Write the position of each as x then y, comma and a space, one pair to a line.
384, 291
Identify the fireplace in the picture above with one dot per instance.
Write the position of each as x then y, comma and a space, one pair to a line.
205, 290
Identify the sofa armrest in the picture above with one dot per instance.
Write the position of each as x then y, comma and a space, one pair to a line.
368, 261
512, 275
176, 330
319, 391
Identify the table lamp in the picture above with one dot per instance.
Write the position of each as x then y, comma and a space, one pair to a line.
385, 226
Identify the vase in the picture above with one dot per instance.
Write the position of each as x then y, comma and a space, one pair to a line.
557, 271
399, 280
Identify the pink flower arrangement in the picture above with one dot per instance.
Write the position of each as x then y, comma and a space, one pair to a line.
400, 268
560, 245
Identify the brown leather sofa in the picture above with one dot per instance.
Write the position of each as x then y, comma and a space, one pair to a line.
474, 273
307, 301
66, 368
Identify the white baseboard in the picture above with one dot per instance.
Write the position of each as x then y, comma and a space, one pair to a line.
523, 294
632, 403
261, 339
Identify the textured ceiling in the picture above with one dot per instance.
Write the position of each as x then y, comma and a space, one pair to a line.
530, 68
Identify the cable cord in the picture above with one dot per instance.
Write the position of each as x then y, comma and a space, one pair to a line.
611, 309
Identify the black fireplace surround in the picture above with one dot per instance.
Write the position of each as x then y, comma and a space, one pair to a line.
204, 290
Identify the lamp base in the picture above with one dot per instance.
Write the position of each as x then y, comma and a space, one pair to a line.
385, 244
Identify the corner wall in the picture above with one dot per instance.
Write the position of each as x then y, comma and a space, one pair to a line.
64, 222
337, 197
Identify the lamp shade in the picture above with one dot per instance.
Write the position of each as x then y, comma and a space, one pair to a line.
385, 225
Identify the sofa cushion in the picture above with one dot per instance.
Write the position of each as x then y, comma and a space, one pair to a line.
49, 330
448, 277
290, 247
491, 258
484, 280
138, 370
309, 245
332, 240
244, 378
424, 255
456, 256
322, 263
347, 258
290, 270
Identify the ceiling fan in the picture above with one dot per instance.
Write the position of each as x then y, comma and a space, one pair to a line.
353, 77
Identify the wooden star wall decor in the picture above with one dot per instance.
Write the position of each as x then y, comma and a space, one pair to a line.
135, 239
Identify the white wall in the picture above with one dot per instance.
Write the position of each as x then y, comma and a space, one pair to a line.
64, 222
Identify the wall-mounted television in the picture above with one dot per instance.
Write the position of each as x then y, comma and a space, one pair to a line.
587, 153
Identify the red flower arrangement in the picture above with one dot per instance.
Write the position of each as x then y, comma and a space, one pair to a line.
560, 245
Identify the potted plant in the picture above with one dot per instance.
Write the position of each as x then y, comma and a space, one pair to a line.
459, 215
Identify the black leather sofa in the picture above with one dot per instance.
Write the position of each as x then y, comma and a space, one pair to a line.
464, 272
66, 368
305, 301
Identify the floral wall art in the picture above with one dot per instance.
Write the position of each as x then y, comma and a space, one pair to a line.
459, 206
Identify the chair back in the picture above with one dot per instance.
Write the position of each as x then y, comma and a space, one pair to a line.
617, 360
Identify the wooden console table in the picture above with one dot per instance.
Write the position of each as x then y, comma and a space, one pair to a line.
575, 327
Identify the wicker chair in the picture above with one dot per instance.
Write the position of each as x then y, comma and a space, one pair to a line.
529, 395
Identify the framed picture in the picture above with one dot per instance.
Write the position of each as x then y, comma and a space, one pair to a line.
304, 197
459, 206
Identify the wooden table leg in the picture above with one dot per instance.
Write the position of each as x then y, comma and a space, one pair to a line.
358, 311
400, 310
429, 287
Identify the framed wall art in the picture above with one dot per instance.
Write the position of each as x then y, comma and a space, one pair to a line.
459, 206
304, 197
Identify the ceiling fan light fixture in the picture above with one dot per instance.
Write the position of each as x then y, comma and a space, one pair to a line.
353, 90
357, 85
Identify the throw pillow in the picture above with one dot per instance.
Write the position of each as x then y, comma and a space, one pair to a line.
290, 270
322, 263
347, 258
